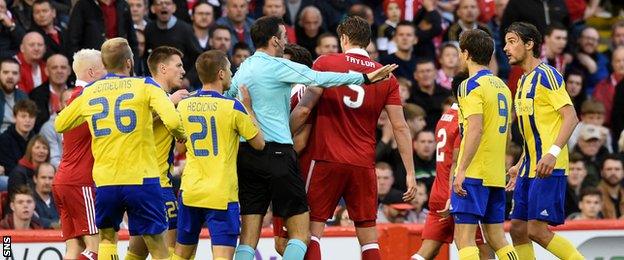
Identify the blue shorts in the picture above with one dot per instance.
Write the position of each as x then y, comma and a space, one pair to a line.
540, 199
143, 203
484, 204
171, 206
223, 225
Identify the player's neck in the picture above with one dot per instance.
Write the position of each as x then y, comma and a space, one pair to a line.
530, 64
216, 86
163, 84
268, 51
474, 68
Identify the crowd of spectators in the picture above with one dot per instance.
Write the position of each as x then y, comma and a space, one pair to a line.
583, 39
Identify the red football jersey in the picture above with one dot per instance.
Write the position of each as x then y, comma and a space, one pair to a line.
447, 139
77, 160
347, 116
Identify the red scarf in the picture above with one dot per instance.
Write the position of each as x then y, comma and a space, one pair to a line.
27, 83
26, 163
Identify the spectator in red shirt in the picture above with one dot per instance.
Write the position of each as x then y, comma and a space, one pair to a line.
605, 89
32, 64
23, 207
238, 22
277, 8
44, 15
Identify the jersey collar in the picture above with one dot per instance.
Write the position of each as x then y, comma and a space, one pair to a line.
455, 106
208, 93
358, 51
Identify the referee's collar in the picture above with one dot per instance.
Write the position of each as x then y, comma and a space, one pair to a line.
358, 51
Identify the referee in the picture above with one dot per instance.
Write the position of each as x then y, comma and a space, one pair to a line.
272, 176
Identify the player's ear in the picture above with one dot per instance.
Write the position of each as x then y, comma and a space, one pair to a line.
529, 45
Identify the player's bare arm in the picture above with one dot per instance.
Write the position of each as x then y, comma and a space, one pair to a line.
300, 139
473, 138
546, 164
302, 111
404, 143
512, 172
257, 142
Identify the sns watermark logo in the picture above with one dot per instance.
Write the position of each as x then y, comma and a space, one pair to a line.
6, 246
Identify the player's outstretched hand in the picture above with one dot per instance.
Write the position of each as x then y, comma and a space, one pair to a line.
381, 73
545, 166
177, 96
458, 184
245, 98
410, 194
513, 175
444, 213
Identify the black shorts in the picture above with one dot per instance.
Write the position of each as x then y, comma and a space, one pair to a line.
270, 176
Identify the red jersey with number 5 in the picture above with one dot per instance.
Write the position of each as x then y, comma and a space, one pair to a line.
347, 116
447, 139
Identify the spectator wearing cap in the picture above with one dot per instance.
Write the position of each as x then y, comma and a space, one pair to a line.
203, 18
44, 16
427, 93
591, 62
167, 30
590, 205
277, 8
55, 139
612, 174
592, 113
23, 210
327, 43
11, 33
467, 15
47, 96
9, 94
605, 90
240, 53
138, 12
555, 40
237, 21
385, 33
574, 185
590, 147
385, 179
419, 213
574, 86
309, 27
45, 208
405, 57
32, 64
13, 141
395, 212
37, 152
91, 23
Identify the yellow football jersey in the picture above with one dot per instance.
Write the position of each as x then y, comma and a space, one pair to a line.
541, 93
164, 152
214, 123
487, 95
118, 110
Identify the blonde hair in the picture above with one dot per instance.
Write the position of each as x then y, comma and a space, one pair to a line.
85, 59
115, 52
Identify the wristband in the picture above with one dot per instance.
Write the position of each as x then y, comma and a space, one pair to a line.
554, 150
366, 79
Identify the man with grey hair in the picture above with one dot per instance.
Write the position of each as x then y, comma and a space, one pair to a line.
310, 27
73, 186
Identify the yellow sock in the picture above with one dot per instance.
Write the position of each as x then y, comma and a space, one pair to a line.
176, 257
562, 248
525, 251
133, 256
507, 253
469, 253
107, 251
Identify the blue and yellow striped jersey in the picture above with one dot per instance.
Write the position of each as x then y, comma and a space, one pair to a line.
118, 110
487, 95
164, 152
214, 123
541, 93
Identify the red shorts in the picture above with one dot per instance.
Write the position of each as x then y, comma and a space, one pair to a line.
442, 231
329, 181
76, 207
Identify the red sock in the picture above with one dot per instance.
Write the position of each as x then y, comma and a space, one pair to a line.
314, 249
371, 252
87, 255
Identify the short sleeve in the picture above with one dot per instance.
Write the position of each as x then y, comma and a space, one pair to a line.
559, 97
393, 98
472, 102
244, 124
